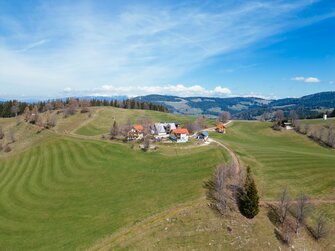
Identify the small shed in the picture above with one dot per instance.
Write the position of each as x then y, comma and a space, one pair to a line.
220, 128
203, 135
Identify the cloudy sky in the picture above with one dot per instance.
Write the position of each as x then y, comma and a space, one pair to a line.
188, 48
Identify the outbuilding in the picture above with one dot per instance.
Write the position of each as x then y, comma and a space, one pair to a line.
220, 128
203, 135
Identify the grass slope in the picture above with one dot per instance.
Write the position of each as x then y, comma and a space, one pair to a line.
105, 116
282, 159
67, 193
194, 226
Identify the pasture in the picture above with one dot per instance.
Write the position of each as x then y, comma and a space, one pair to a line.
68, 193
280, 159
104, 117
62, 192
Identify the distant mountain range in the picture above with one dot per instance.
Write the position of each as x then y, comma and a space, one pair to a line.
240, 107
37, 99
245, 107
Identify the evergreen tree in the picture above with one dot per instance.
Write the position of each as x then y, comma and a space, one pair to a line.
249, 197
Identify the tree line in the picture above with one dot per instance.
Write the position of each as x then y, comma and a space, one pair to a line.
324, 134
13, 108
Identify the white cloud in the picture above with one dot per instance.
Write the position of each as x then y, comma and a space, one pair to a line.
82, 45
312, 80
131, 91
298, 78
307, 80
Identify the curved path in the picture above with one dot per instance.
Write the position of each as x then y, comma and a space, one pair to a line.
233, 155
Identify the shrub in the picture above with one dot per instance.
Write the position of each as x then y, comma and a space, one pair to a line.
2, 134
6, 148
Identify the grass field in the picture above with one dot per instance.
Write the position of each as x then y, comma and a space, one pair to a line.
281, 159
62, 192
318, 121
67, 193
105, 116
194, 226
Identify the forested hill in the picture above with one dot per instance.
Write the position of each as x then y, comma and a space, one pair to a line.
245, 107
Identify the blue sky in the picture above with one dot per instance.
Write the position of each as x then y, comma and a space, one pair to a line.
269, 49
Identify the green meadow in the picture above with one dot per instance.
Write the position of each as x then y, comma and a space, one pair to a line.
282, 159
68, 193
103, 119
62, 190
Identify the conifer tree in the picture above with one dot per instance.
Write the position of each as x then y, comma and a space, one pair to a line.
249, 197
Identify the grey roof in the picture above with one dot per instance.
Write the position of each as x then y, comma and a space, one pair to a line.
205, 133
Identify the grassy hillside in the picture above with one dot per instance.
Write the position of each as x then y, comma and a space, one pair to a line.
281, 159
194, 226
67, 193
104, 117
62, 192
278, 159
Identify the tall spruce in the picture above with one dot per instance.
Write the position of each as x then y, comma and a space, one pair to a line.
249, 197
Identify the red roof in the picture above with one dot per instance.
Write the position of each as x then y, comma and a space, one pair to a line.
180, 131
220, 126
138, 128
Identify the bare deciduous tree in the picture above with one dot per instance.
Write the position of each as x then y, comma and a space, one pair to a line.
221, 188
224, 117
59, 105
48, 107
146, 143
11, 136
114, 132
265, 116
293, 116
15, 109
279, 116
320, 229
201, 122
84, 105
71, 107
50, 120
34, 116
6, 148
26, 113
146, 122
302, 207
2, 134
284, 205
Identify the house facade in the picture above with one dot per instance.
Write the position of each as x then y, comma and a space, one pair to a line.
136, 132
179, 135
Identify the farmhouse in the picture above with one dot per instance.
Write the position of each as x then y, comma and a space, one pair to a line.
288, 125
136, 132
220, 128
163, 129
180, 135
203, 135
